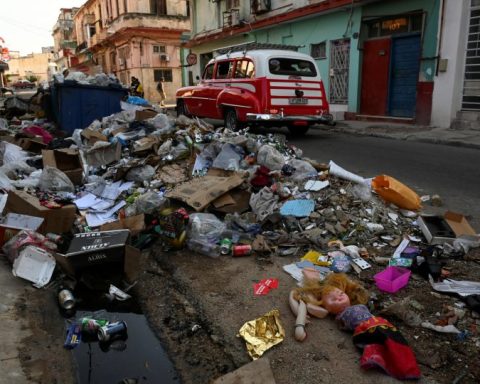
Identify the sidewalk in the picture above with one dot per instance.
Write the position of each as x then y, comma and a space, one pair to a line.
426, 134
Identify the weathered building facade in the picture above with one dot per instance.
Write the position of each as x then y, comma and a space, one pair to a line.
133, 38
24, 67
64, 42
377, 58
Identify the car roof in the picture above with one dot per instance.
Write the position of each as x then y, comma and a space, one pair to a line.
262, 54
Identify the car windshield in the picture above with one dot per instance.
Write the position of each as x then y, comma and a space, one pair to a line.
291, 67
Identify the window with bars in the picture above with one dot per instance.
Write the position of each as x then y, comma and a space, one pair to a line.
165, 73
159, 49
319, 50
471, 84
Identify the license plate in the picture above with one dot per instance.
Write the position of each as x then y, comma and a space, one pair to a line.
298, 100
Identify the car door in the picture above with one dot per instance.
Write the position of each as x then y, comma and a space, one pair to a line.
222, 78
195, 100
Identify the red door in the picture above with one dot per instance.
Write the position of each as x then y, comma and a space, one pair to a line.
375, 65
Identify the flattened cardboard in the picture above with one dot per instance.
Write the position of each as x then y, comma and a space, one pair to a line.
439, 230
57, 220
235, 201
66, 160
200, 192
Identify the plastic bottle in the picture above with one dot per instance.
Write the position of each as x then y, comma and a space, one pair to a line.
204, 247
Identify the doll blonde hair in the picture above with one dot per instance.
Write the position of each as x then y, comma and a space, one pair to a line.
313, 290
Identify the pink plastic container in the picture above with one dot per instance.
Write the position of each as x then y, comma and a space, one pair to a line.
392, 279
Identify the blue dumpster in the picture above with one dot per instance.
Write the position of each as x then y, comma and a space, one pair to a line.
75, 105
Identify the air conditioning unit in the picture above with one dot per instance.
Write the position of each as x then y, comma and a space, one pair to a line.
121, 62
164, 57
260, 6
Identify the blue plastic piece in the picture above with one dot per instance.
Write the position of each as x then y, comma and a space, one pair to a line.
76, 106
297, 208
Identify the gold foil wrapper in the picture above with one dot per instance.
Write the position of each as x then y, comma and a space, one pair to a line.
262, 333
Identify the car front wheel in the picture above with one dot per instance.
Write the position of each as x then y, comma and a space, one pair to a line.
181, 108
231, 120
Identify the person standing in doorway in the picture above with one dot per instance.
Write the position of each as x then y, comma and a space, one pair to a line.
161, 90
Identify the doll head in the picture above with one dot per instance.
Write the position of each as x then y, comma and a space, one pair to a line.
334, 300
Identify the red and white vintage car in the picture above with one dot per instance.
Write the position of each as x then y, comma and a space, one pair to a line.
267, 87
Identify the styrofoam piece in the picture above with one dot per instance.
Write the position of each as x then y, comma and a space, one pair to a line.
338, 171
34, 264
297, 208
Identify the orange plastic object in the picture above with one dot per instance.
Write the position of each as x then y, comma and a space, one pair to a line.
393, 191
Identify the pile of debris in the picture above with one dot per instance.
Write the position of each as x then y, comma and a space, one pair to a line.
140, 177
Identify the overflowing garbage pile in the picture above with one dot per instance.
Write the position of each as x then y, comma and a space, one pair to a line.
140, 177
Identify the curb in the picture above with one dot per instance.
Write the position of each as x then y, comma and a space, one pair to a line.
407, 137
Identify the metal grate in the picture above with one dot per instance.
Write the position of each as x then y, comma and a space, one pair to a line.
339, 62
471, 84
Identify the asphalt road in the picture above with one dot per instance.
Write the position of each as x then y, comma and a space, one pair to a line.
449, 171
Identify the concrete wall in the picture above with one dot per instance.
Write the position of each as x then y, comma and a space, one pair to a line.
34, 64
447, 93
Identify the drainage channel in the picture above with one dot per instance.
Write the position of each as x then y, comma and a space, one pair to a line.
133, 356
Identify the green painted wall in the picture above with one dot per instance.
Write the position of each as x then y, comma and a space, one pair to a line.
431, 8
343, 24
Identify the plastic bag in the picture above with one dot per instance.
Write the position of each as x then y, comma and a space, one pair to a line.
205, 226
54, 180
150, 202
23, 238
10, 153
303, 170
229, 158
393, 191
3, 124
140, 174
270, 158
5, 182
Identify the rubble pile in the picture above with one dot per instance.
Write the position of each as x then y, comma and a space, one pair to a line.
140, 178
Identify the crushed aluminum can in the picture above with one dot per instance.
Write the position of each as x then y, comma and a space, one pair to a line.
242, 250
106, 332
66, 299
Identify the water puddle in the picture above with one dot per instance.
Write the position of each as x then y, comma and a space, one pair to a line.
132, 357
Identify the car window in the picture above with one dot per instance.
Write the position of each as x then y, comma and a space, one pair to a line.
208, 72
224, 70
291, 67
244, 69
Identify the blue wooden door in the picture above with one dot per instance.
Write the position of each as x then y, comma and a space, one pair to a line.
404, 68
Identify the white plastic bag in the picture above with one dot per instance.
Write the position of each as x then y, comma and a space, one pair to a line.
269, 157
52, 179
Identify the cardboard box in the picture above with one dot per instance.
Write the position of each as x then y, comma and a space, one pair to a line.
94, 248
133, 265
58, 220
144, 114
66, 160
439, 230
93, 136
104, 155
31, 145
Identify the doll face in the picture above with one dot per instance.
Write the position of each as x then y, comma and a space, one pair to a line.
335, 301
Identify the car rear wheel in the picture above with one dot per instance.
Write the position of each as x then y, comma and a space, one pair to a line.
231, 120
298, 130
181, 108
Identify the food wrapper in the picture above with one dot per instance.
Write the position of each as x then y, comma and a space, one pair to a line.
262, 333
